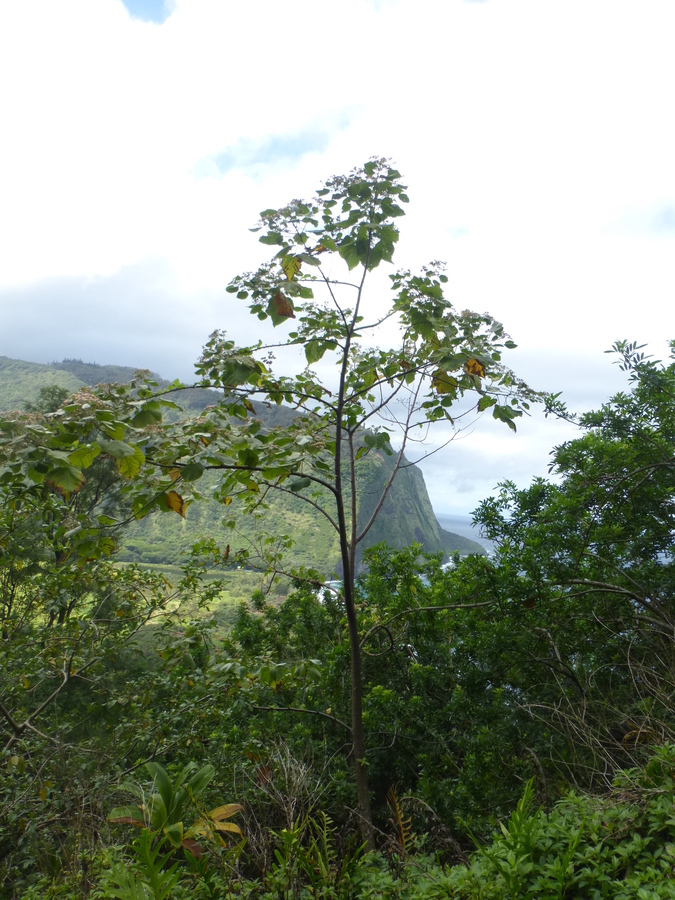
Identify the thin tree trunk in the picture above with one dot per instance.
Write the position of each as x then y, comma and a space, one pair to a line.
358, 737
348, 552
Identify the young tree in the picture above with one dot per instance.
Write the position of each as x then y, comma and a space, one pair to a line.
444, 367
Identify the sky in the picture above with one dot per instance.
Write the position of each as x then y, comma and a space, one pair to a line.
142, 138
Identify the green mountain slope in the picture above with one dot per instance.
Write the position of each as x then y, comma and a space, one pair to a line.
406, 515
20, 382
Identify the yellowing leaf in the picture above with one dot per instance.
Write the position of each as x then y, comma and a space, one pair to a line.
291, 266
227, 501
283, 306
225, 811
227, 826
474, 367
175, 502
443, 382
174, 473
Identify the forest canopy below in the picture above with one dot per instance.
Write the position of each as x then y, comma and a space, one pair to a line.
500, 727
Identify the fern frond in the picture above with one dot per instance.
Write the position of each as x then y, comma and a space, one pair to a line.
400, 823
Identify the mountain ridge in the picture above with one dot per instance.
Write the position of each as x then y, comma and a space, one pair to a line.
406, 515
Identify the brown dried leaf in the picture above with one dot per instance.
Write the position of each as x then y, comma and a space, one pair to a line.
283, 306
176, 503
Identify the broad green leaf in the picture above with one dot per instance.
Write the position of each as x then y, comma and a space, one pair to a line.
348, 252
486, 403
162, 784
300, 484
66, 479
35, 475
84, 456
310, 260
174, 833
248, 457
150, 414
117, 449
65, 439
273, 238
314, 350
201, 779
504, 414
130, 466
192, 472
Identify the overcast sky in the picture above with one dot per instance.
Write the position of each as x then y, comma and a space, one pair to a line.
141, 139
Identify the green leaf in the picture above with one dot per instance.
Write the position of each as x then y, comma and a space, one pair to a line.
201, 779
314, 350
129, 466
273, 238
505, 414
149, 414
486, 403
65, 478
84, 456
117, 449
348, 252
248, 458
300, 484
106, 520
310, 260
174, 833
162, 784
192, 472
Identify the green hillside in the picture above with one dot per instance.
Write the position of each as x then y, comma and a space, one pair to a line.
405, 517
20, 382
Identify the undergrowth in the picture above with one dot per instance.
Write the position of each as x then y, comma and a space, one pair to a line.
620, 847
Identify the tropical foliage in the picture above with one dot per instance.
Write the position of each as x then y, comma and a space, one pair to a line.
515, 711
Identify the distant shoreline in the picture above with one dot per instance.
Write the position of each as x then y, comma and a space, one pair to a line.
462, 525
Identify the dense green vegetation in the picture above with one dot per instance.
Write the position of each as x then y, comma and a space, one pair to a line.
515, 712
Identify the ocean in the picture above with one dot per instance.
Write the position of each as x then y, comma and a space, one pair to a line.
462, 525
